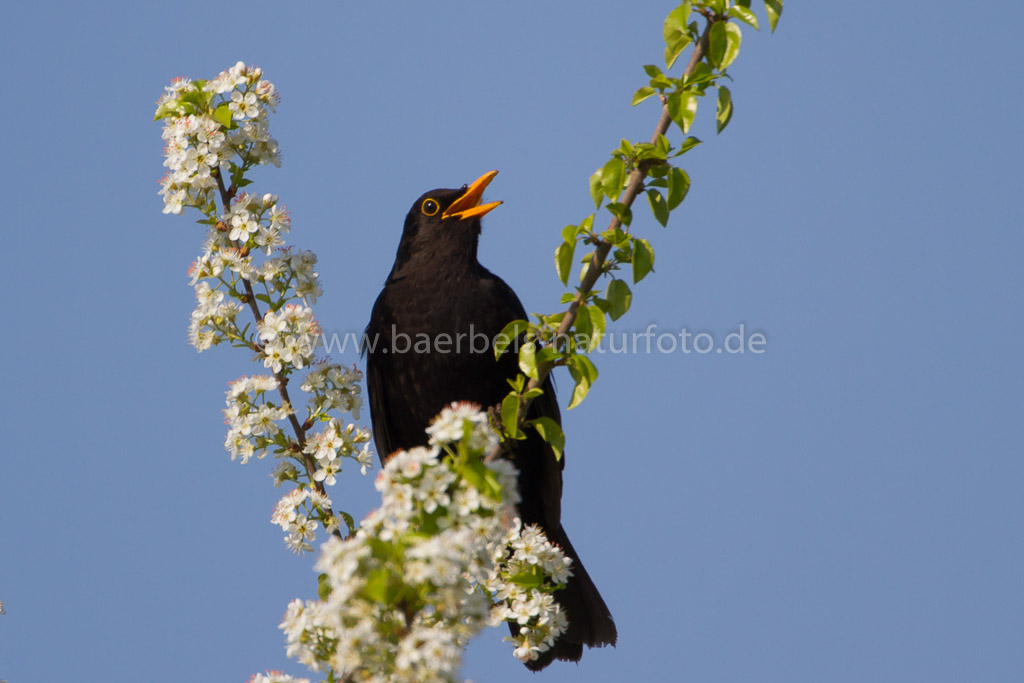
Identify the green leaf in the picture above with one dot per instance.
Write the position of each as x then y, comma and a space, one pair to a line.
382, 550
563, 260
652, 70
619, 298
616, 236
595, 188
199, 99
323, 587
585, 374
480, 477
663, 145
774, 10
649, 151
585, 268
380, 588
675, 33
530, 579
674, 49
642, 94
349, 522
643, 259
583, 326
658, 206
509, 334
597, 323
621, 211
724, 113
547, 354
473, 474
688, 144
569, 233
724, 44
222, 115
551, 432
168, 108
612, 175
682, 107
745, 15
510, 416
528, 359
662, 82
701, 73
493, 490
678, 186
675, 22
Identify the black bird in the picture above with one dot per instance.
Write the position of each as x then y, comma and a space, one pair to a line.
437, 287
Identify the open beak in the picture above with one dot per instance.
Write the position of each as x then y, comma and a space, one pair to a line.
468, 205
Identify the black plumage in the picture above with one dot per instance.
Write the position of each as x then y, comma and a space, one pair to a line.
437, 287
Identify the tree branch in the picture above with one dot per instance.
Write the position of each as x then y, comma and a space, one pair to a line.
226, 196
597, 260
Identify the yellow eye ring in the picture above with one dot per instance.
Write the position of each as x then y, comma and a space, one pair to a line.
430, 207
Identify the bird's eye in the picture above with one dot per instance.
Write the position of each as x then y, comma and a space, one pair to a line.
429, 207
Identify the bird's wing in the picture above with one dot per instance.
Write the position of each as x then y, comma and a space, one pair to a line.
546, 405
378, 406
377, 364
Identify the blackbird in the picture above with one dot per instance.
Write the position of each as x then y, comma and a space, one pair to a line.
439, 296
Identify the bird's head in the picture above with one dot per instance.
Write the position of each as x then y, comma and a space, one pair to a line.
445, 224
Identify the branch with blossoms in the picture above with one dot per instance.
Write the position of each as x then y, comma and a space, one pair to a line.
216, 130
444, 555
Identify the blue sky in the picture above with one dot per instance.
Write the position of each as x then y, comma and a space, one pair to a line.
845, 506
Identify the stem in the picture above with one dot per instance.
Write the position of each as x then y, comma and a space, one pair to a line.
597, 260
282, 381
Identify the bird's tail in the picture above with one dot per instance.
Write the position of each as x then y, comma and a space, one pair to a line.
590, 622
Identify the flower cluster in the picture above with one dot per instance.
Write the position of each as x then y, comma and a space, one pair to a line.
295, 513
256, 222
276, 677
215, 132
213, 319
521, 585
210, 124
338, 440
440, 559
288, 333
291, 270
333, 388
451, 425
252, 417
288, 336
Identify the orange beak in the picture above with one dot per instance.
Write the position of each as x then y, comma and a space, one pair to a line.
468, 205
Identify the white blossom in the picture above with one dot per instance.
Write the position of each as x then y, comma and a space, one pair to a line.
440, 538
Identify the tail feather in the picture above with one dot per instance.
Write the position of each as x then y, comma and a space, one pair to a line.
590, 622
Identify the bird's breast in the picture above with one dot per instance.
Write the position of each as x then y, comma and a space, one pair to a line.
435, 343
